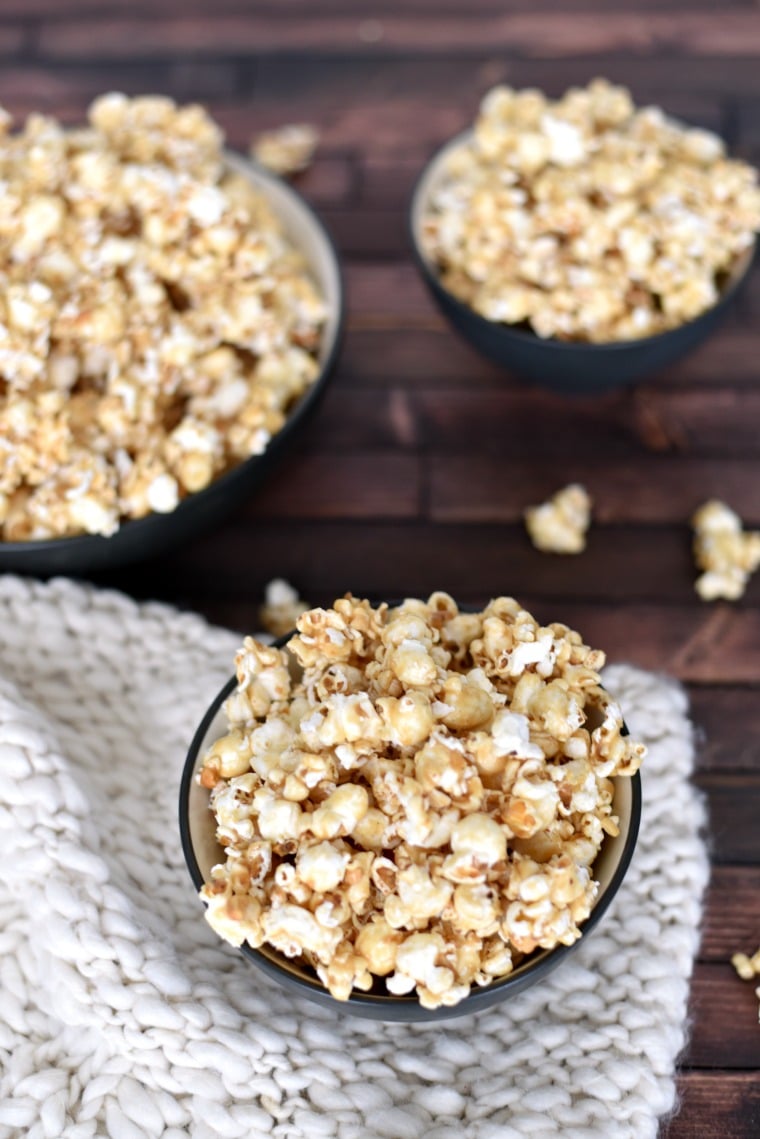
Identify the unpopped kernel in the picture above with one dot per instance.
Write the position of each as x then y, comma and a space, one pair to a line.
424, 805
588, 218
155, 323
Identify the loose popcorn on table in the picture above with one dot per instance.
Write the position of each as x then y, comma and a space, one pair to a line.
748, 968
423, 806
286, 150
588, 218
281, 609
559, 526
726, 554
155, 323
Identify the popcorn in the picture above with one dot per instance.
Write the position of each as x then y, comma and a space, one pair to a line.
281, 609
424, 805
587, 218
155, 323
725, 553
559, 526
286, 150
748, 968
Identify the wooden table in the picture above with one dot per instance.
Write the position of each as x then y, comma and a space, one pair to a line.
415, 473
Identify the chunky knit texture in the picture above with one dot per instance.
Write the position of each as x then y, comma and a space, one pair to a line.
124, 1016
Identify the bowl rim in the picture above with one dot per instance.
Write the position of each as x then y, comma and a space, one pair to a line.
537, 964
414, 214
299, 411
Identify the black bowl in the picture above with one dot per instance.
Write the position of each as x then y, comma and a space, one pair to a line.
570, 367
201, 850
156, 533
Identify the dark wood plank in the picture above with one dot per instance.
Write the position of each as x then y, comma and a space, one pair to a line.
477, 9
543, 34
731, 913
716, 1105
654, 489
734, 805
354, 419
725, 1031
527, 422
359, 486
380, 349
359, 558
728, 724
388, 297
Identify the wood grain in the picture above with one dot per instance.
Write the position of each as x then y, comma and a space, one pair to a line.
544, 34
652, 489
731, 909
728, 723
716, 1105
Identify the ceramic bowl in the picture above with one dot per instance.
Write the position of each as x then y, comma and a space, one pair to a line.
201, 850
156, 533
569, 367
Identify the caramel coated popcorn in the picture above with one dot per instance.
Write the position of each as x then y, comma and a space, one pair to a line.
725, 553
423, 807
587, 218
559, 526
286, 150
281, 609
748, 968
155, 323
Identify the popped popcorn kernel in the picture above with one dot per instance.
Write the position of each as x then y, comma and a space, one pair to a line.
586, 218
286, 150
748, 968
156, 324
725, 553
281, 609
421, 801
559, 526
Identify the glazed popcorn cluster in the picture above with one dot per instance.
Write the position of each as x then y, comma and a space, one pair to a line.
588, 218
725, 553
155, 323
748, 968
424, 805
286, 150
281, 609
559, 525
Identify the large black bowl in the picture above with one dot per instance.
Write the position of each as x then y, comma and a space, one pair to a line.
201, 850
570, 367
156, 533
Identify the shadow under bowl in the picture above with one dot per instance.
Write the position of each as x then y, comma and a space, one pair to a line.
156, 533
565, 366
202, 852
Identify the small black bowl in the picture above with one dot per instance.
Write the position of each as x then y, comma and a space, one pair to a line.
201, 850
156, 533
570, 367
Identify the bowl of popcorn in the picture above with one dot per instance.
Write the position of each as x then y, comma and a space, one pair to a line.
411, 813
583, 242
170, 315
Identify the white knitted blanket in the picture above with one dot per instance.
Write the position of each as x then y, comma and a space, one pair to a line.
122, 1014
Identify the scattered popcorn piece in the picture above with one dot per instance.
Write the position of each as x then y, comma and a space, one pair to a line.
587, 218
748, 968
424, 804
559, 526
286, 150
281, 609
725, 553
155, 324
